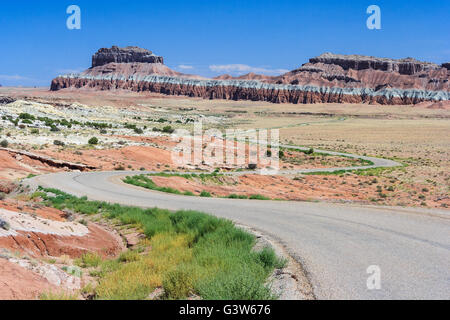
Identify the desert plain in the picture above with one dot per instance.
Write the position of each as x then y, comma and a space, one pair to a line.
46, 131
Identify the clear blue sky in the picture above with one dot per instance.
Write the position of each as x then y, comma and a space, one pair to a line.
262, 35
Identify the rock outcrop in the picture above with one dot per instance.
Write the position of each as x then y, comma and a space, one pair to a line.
408, 66
6, 100
124, 55
327, 78
249, 90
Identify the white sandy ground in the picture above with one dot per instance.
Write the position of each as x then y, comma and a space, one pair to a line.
29, 223
52, 273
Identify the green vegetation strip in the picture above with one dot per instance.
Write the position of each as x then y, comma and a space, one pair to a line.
144, 181
184, 252
313, 153
360, 172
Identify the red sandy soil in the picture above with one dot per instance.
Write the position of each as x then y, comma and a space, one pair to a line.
17, 283
6, 186
40, 245
33, 208
137, 157
13, 167
350, 188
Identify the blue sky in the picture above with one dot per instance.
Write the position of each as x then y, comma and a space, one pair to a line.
211, 37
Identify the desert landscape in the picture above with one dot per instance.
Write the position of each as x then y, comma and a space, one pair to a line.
334, 114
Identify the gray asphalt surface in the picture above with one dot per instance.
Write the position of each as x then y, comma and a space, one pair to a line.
335, 243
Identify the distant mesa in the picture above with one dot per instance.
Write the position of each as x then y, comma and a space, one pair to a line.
328, 78
121, 63
407, 66
124, 55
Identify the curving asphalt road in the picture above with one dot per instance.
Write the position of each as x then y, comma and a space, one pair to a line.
335, 243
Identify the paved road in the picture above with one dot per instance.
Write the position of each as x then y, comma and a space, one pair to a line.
335, 243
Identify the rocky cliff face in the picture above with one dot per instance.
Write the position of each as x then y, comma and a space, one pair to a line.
124, 55
249, 90
408, 66
327, 78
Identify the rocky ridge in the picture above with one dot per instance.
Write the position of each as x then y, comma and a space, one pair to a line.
326, 78
408, 66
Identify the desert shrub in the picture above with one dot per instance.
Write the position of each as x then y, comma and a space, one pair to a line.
27, 116
34, 131
2, 196
205, 194
168, 129
138, 130
54, 128
93, 141
4, 144
270, 260
58, 143
252, 166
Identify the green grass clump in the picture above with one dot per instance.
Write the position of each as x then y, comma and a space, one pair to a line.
205, 194
360, 172
237, 196
145, 182
129, 256
57, 296
89, 260
191, 253
258, 197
